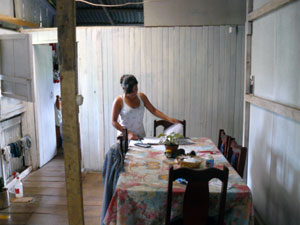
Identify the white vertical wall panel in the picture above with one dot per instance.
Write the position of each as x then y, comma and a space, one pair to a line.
188, 73
274, 140
192, 73
91, 114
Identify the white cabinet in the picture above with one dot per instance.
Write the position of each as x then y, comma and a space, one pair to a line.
16, 66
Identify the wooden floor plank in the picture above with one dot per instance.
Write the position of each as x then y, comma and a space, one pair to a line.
46, 173
15, 219
47, 219
33, 191
39, 178
58, 184
49, 205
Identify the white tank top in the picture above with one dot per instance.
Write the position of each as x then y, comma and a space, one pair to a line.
132, 118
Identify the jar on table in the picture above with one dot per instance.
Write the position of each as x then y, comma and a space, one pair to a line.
209, 161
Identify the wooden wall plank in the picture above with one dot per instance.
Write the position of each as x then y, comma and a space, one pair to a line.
171, 75
222, 80
154, 66
182, 72
149, 81
105, 91
238, 114
159, 80
116, 73
202, 68
142, 85
193, 113
210, 91
110, 76
165, 71
137, 53
187, 77
177, 90
232, 80
215, 87
205, 80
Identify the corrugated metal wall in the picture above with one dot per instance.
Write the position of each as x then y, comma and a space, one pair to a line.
35, 11
192, 73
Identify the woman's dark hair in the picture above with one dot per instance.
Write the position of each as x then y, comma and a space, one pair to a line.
127, 82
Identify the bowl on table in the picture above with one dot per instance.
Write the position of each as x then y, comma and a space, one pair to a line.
190, 161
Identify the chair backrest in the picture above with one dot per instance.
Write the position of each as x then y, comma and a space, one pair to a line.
224, 143
221, 135
123, 140
237, 155
196, 196
167, 124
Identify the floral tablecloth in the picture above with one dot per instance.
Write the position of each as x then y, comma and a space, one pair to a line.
141, 192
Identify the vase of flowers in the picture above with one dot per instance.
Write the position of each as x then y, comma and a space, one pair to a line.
171, 142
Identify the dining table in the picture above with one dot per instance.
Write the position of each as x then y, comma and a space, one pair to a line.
141, 192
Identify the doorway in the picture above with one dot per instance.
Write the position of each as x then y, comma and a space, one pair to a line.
44, 103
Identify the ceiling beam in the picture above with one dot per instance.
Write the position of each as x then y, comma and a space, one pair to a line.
107, 24
112, 9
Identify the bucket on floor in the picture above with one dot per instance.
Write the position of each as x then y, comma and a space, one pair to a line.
4, 199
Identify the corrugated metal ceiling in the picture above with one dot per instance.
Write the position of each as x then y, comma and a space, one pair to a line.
88, 15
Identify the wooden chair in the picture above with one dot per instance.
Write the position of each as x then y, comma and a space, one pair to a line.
167, 124
224, 142
237, 157
221, 135
123, 141
196, 196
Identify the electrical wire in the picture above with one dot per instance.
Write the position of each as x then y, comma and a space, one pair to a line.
118, 5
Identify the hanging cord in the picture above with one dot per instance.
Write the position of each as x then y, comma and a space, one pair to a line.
118, 5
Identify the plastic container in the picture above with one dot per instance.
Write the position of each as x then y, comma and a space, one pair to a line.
19, 188
209, 161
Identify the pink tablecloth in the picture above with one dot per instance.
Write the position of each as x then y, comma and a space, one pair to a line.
141, 193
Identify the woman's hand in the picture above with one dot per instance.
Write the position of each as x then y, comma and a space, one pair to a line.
132, 136
172, 120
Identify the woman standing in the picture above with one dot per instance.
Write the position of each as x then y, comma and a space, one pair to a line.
130, 106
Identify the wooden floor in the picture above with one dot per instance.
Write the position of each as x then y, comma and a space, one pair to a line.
49, 205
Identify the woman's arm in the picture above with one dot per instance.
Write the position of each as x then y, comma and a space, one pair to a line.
116, 109
155, 111
117, 106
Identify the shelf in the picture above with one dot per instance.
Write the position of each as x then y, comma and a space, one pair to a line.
16, 21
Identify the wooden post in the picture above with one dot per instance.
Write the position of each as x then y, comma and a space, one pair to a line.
247, 74
66, 21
